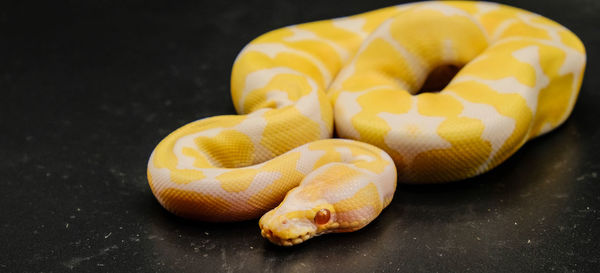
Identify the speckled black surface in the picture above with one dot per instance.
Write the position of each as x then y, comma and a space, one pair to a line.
88, 89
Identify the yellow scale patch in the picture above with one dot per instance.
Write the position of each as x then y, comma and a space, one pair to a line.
271, 195
367, 197
196, 205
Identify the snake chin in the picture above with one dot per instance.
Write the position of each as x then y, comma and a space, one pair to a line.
286, 226
285, 231
274, 238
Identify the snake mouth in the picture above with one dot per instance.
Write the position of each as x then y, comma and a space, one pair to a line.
268, 234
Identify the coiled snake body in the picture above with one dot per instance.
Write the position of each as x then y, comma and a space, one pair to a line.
519, 78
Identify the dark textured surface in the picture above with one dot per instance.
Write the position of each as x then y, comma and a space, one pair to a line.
89, 89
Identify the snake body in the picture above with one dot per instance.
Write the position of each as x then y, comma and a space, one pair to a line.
519, 76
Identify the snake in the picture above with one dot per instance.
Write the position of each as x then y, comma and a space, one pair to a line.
333, 114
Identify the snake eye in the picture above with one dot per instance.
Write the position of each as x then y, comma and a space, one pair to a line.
322, 217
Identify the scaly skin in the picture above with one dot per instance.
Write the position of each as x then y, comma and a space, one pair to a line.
519, 78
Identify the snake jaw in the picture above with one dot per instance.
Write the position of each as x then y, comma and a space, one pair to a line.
293, 227
286, 232
268, 234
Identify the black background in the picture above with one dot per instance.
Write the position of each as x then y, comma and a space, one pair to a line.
88, 88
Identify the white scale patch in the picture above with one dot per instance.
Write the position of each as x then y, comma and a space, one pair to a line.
448, 52
308, 158
280, 98
424, 137
272, 49
302, 35
347, 156
259, 79
354, 25
452, 11
345, 108
531, 56
443, 8
502, 27
485, 7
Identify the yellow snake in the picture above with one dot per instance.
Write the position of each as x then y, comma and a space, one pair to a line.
519, 76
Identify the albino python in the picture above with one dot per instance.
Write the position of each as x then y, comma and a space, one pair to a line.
518, 77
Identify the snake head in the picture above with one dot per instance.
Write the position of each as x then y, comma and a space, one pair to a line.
294, 222
334, 198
